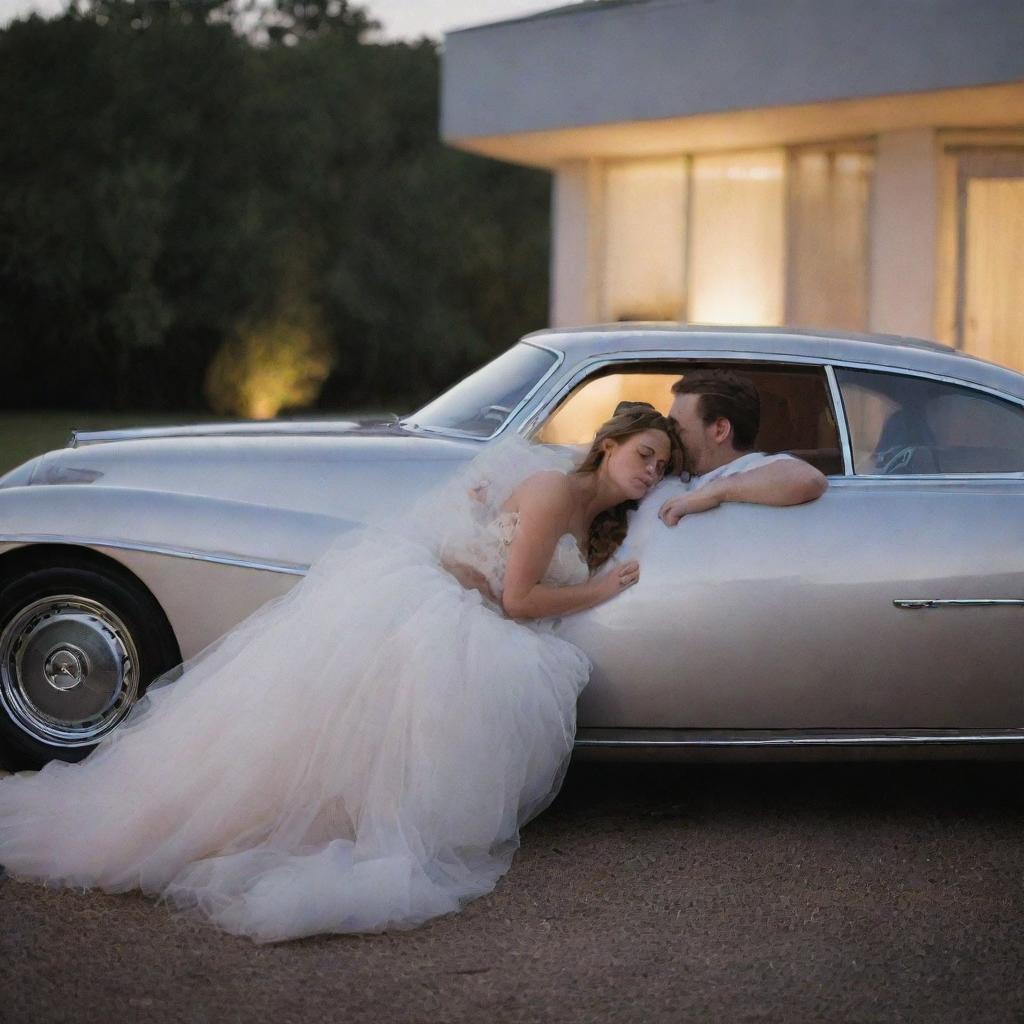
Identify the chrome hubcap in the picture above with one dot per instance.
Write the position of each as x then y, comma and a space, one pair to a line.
65, 666
68, 670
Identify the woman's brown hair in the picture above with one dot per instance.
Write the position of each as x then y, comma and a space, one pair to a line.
608, 529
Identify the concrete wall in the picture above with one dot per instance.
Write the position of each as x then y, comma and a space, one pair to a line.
577, 219
675, 58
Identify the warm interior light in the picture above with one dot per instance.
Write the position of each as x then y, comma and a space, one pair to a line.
737, 241
576, 420
644, 240
993, 314
828, 239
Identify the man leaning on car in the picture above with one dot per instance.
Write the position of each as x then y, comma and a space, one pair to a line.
718, 414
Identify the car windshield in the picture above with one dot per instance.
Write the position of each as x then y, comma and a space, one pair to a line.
480, 404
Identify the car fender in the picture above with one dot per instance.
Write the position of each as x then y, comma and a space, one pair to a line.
209, 562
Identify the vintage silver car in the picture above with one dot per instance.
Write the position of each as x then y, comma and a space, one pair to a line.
885, 618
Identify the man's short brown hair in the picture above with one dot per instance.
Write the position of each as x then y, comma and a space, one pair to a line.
725, 395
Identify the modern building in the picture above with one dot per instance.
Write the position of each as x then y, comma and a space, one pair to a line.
851, 164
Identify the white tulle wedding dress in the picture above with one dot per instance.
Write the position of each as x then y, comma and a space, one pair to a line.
355, 756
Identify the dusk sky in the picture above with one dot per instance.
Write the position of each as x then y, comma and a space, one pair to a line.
400, 18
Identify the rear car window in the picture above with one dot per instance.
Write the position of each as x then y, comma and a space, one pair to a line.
903, 425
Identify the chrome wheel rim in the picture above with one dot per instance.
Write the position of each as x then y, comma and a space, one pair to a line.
69, 670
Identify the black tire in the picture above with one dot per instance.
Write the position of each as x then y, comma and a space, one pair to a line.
63, 631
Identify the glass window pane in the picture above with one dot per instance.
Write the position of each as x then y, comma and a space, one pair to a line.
737, 247
796, 411
796, 415
909, 425
482, 402
994, 272
645, 239
829, 190
590, 404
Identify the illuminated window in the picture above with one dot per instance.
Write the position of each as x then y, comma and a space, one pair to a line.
752, 238
981, 266
645, 227
737, 239
829, 190
992, 274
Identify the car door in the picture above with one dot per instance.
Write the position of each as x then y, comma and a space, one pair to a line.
895, 601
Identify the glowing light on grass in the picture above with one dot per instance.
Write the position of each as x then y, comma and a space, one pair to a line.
269, 367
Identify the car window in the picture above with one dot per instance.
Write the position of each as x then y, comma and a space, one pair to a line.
904, 425
796, 410
481, 403
576, 419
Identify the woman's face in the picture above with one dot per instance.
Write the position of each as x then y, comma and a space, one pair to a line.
636, 463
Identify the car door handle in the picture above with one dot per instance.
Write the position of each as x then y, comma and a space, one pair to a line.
960, 602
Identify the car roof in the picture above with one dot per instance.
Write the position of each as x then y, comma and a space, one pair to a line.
883, 351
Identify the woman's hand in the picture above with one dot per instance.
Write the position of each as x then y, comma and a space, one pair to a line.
545, 504
470, 578
617, 579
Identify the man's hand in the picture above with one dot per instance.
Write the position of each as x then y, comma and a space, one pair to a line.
702, 500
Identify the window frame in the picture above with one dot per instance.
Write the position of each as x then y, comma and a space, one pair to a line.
898, 371
831, 146
535, 420
955, 144
466, 435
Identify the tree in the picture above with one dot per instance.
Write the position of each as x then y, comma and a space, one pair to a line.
168, 164
138, 15
288, 22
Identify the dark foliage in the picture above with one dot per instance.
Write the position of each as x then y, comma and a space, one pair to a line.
172, 171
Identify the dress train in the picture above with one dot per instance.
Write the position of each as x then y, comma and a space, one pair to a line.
356, 755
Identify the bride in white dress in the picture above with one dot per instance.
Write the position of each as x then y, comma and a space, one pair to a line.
378, 777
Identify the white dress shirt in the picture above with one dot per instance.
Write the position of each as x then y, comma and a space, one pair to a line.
645, 519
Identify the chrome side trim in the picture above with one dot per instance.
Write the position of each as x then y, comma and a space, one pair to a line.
288, 568
752, 738
959, 602
941, 477
839, 411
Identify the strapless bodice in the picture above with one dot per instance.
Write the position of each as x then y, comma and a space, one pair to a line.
568, 566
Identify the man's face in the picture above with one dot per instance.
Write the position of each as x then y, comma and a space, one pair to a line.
698, 445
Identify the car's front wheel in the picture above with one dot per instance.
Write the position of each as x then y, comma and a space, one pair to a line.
78, 646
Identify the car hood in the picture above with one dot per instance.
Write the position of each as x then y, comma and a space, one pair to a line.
347, 470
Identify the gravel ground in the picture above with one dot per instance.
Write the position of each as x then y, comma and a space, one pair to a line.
786, 893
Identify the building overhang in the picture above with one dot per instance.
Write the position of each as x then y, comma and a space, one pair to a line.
994, 106
656, 76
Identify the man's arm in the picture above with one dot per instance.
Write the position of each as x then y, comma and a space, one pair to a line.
783, 482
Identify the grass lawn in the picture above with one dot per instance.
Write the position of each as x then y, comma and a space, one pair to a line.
24, 434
